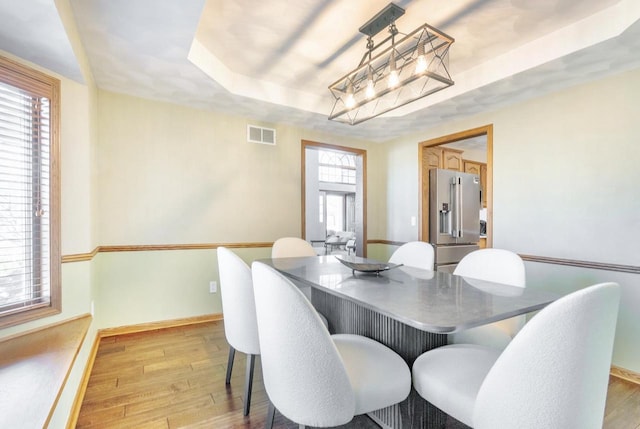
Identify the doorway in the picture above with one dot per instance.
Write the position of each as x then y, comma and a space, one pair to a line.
334, 197
450, 144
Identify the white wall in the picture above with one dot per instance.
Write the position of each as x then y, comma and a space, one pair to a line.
565, 186
402, 191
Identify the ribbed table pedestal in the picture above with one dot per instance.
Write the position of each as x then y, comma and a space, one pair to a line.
346, 317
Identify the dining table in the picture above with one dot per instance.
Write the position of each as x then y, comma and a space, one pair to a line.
410, 310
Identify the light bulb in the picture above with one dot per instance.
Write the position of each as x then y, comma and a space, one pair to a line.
421, 64
394, 79
371, 89
421, 61
350, 101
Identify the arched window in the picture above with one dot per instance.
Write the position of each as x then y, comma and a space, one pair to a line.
337, 167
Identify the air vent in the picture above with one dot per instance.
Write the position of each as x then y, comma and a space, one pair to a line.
262, 135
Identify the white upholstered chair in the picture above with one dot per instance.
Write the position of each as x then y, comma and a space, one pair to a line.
291, 247
310, 376
238, 307
554, 374
417, 254
294, 247
500, 266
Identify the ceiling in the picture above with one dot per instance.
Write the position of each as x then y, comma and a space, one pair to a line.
272, 61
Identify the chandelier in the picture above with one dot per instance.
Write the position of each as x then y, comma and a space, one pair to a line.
398, 70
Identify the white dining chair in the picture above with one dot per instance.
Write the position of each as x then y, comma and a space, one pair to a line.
239, 310
494, 265
291, 247
554, 374
417, 254
294, 247
314, 378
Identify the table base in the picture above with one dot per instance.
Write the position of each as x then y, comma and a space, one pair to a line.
346, 317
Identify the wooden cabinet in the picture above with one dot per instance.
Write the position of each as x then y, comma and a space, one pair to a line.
452, 160
480, 169
437, 157
472, 167
432, 158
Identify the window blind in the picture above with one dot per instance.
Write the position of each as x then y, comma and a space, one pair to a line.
25, 194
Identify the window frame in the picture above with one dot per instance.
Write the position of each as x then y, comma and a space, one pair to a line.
26, 78
337, 167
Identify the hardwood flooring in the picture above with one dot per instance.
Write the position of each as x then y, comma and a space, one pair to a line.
174, 378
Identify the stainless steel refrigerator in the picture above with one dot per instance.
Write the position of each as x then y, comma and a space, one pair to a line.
454, 216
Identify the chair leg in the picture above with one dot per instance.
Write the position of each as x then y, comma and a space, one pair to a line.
232, 353
248, 383
268, 423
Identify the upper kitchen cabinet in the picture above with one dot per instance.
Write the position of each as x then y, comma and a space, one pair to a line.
432, 158
480, 169
439, 157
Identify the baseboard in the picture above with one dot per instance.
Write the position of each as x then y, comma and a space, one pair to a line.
110, 332
625, 374
82, 388
131, 329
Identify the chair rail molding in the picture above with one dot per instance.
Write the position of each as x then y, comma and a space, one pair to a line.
582, 264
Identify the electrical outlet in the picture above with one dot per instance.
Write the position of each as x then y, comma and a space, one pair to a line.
413, 221
213, 287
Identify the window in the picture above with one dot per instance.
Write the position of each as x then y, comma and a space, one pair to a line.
335, 212
337, 167
29, 194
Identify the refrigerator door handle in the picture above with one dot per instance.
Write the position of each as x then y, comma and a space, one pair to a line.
457, 207
460, 208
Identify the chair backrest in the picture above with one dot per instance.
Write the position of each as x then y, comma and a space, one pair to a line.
494, 265
417, 254
555, 372
291, 247
302, 370
238, 304
500, 266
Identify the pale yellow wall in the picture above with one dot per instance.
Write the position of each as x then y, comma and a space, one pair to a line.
376, 193
565, 185
169, 174
380, 252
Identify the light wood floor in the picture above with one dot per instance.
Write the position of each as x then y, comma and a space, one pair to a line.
174, 378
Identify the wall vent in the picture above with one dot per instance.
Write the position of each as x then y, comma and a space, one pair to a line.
261, 135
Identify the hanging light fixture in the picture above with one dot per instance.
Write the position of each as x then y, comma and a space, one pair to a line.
393, 72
